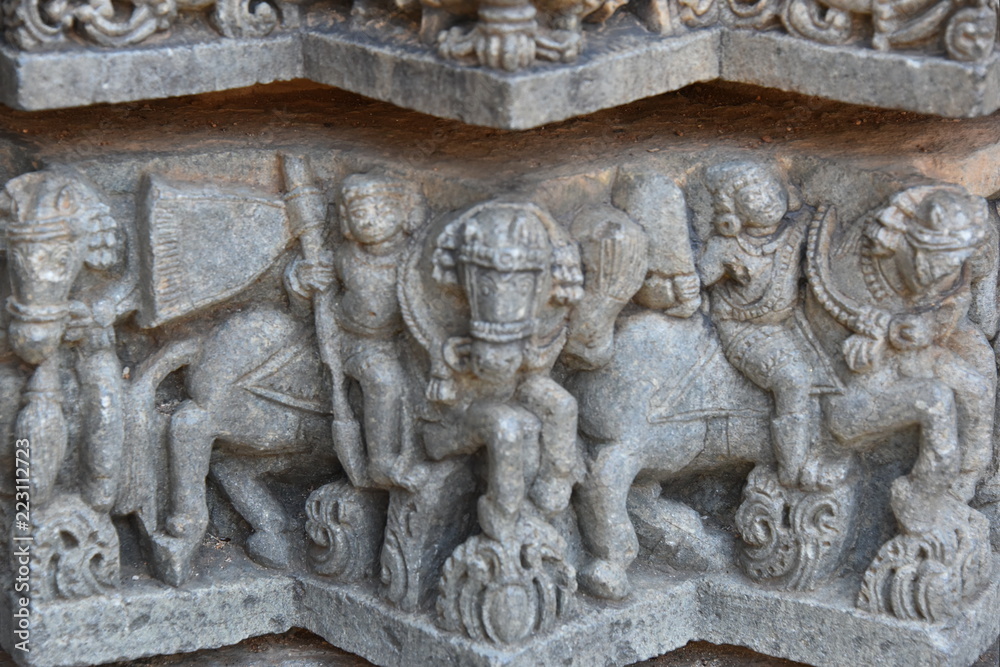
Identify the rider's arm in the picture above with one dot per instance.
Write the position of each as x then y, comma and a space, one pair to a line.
712, 263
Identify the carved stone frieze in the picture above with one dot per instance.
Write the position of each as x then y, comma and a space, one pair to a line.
584, 412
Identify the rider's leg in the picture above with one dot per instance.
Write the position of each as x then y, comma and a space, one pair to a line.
508, 432
101, 390
383, 385
559, 457
796, 424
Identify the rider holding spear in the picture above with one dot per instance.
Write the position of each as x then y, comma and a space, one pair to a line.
358, 337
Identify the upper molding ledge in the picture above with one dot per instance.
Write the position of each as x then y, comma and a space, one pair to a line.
512, 64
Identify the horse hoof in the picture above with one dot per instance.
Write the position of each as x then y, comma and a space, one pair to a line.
605, 580
171, 559
269, 549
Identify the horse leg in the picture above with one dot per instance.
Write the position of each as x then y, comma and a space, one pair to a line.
190, 447
975, 401
928, 404
674, 533
605, 524
242, 479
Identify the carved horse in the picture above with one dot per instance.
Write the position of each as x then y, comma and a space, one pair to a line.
63, 251
257, 405
255, 382
668, 405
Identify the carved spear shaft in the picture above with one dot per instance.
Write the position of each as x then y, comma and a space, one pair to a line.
306, 210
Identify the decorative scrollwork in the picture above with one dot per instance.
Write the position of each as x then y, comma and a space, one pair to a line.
818, 22
36, 24
345, 525
755, 14
75, 551
245, 18
505, 591
971, 33
792, 538
927, 574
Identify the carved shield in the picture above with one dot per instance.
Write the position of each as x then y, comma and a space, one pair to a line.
202, 244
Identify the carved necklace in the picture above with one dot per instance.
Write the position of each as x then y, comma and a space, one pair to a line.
758, 246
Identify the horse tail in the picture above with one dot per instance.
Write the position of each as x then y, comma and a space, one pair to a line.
143, 430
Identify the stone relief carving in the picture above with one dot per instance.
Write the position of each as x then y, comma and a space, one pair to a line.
907, 308
484, 414
962, 30
33, 24
72, 273
511, 35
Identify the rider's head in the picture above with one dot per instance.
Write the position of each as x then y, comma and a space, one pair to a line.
748, 196
373, 208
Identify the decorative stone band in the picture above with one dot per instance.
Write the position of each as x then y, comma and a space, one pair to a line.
501, 332
505, 259
37, 313
60, 228
53, 63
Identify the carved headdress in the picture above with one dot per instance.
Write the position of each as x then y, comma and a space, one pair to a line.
938, 217
48, 205
507, 261
726, 180
378, 184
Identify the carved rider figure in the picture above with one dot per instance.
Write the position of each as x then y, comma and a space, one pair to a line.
376, 213
753, 266
518, 276
901, 286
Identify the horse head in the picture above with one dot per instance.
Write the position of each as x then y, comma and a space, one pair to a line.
54, 224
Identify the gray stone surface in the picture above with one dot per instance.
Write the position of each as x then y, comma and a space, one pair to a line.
623, 62
81, 77
299, 648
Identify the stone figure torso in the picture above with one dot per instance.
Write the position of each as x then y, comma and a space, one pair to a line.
368, 304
